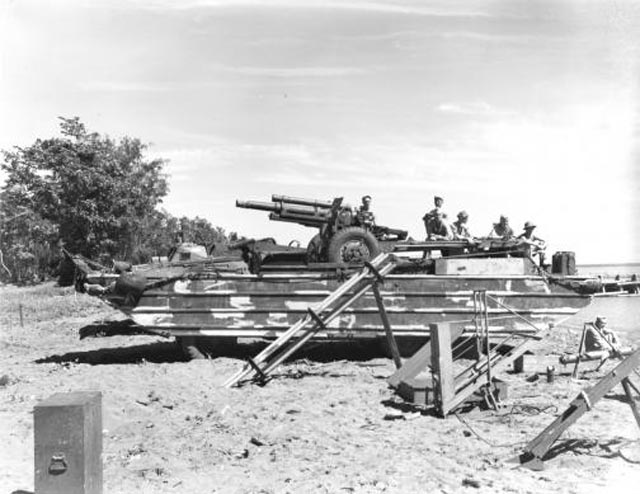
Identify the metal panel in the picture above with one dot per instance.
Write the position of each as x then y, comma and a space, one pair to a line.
68, 444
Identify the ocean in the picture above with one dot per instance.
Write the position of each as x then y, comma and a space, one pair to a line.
623, 313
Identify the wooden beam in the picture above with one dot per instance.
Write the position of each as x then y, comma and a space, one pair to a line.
540, 445
626, 384
420, 360
391, 341
580, 349
442, 367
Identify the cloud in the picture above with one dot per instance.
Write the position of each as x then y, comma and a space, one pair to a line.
125, 86
498, 38
402, 7
293, 71
479, 108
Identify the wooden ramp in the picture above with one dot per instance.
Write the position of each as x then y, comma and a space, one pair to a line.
319, 317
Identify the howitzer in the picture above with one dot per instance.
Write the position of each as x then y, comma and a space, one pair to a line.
341, 237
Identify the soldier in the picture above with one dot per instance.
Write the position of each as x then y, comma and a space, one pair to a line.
429, 217
440, 230
502, 229
534, 244
460, 229
364, 214
598, 337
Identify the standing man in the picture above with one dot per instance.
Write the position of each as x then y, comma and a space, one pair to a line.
460, 229
430, 217
364, 214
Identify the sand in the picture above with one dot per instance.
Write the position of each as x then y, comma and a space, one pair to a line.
328, 422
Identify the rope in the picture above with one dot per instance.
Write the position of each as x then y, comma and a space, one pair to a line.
524, 409
484, 440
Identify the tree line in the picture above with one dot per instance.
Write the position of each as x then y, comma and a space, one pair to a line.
92, 195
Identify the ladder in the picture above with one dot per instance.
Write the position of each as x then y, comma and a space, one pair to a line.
318, 318
480, 374
535, 451
452, 387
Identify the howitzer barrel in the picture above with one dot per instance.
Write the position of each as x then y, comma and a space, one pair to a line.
302, 201
262, 206
291, 211
300, 220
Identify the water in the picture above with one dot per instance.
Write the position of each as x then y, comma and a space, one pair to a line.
609, 270
623, 313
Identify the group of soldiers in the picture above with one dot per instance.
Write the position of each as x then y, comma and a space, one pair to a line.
438, 228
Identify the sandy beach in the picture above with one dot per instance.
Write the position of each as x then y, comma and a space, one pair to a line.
328, 422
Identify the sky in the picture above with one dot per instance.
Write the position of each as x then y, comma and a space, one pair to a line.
527, 108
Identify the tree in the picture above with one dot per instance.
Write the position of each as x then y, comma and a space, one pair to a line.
95, 195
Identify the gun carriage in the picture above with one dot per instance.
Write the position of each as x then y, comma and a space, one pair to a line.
344, 235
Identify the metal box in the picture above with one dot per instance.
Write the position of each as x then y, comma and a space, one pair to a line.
416, 391
495, 267
68, 444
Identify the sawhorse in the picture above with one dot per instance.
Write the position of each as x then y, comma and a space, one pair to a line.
535, 451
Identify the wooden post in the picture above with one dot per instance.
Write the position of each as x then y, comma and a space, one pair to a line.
518, 364
626, 384
21, 315
391, 341
580, 348
442, 367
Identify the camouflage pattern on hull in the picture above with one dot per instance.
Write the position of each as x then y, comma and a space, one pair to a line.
263, 306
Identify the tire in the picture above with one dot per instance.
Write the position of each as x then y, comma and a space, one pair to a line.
315, 249
352, 245
202, 347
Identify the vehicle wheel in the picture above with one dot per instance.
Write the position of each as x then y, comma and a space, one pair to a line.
352, 245
315, 249
202, 347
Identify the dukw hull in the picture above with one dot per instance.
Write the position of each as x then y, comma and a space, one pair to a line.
232, 305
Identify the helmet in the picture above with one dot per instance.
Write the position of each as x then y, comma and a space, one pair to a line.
529, 224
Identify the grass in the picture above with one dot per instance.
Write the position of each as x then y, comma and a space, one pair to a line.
44, 302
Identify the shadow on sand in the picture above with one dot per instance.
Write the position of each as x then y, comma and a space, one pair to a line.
169, 351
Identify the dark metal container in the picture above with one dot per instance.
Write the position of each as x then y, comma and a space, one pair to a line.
68, 444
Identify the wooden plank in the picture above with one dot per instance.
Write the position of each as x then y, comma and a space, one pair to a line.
419, 361
468, 384
412, 366
391, 341
539, 446
626, 384
442, 367
277, 345
580, 349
